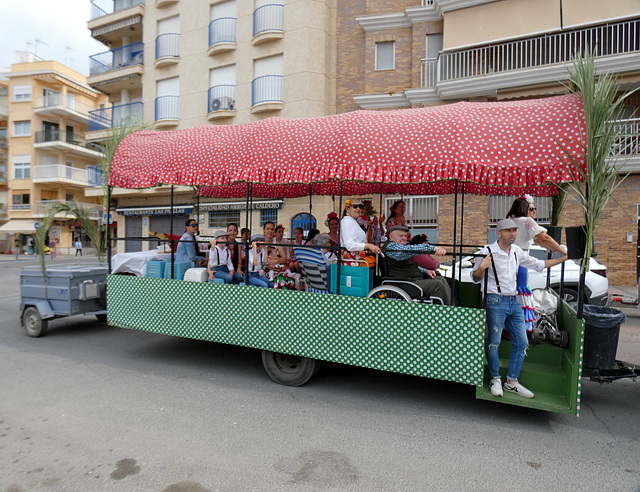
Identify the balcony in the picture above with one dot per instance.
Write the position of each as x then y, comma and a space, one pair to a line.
58, 173
40, 209
627, 148
167, 49
115, 69
110, 20
167, 110
95, 176
537, 60
3, 143
268, 23
65, 141
267, 93
19, 207
116, 116
55, 105
222, 35
4, 112
221, 102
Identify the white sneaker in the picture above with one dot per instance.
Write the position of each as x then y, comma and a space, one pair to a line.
496, 386
518, 389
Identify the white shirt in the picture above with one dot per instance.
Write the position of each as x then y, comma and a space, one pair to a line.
352, 236
220, 257
506, 268
527, 230
262, 258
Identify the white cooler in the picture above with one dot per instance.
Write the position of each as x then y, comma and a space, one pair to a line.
196, 275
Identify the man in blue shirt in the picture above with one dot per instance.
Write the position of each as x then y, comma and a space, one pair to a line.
186, 251
398, 254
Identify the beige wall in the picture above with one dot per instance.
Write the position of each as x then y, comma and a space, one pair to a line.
500, 20
579, 12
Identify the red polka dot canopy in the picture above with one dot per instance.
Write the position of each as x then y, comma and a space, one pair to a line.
494, 148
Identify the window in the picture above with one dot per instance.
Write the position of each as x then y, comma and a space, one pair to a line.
168, 100
386, 55
268, 215
22, 93
222, 91
498, 206
223, 23
267, 82
421, 214
68, 197
433, 46
221, 219
21, 128
21, 200
21, 167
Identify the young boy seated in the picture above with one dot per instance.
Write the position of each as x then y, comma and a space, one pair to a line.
257, 259
220, 264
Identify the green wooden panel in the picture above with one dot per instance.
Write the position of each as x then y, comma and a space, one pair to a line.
440, 342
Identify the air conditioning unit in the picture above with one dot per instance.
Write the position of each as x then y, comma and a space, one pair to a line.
215, 105
223, 102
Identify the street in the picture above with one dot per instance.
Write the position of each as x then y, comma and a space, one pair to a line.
90, 407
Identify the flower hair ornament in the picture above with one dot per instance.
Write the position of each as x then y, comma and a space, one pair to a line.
528, 198
330, 217
348, 203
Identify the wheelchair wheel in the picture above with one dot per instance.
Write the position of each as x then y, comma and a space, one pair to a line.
389, 293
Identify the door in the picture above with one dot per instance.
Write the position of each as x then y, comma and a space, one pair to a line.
133, 228
50, 131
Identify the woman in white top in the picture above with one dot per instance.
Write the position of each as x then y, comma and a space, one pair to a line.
353, 237
522, 212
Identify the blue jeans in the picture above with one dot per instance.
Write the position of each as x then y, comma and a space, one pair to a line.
259, 281
223, 273
505, 312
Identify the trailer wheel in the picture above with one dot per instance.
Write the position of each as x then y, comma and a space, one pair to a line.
33, 323
389, 293
290, 370
101, 317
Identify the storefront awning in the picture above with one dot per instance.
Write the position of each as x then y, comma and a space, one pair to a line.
19, 226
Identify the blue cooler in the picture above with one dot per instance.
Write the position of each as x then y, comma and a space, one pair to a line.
354, 281
155, 268
179, 269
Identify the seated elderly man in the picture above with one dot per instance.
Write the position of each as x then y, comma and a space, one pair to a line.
398, 254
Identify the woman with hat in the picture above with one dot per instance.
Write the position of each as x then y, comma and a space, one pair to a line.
220, 264
353, 238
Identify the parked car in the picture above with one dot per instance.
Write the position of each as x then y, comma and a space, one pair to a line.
596, 281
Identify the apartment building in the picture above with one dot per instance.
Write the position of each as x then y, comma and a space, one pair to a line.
4, 115
181, 63
49, 158
408, 53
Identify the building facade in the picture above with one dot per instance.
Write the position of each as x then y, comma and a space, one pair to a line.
407, 54
178, 64
49, 158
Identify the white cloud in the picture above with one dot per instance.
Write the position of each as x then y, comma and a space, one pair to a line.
60, 26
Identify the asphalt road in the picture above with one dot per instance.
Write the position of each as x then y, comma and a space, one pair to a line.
94, 408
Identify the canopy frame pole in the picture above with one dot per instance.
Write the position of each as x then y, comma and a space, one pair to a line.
339, 242
173, 253
455, 226
109, 252
247, 219
380, 213
457, 291
310, 207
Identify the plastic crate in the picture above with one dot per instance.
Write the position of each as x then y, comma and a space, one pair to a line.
155, 268
179, 269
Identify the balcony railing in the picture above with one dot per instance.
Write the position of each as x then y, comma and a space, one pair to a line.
94, 175
116, 116
3, 209
100, 8
40, 208
58, 100
58, 173
629, 141
125, 56
428, 72
66, 137
222, 30
167, 108
611, 39
19, 207
267, 88
3, 143
221, 97
4, 111
268, 18
168, 45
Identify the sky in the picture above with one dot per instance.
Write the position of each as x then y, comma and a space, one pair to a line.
53, 29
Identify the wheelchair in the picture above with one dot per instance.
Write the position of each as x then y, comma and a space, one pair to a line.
398, 289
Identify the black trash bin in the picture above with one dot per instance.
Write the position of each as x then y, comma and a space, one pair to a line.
602, 328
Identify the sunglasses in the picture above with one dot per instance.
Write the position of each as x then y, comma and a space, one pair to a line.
532, 209
360, 205
193, 225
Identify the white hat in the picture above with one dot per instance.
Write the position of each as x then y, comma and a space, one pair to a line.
506, 224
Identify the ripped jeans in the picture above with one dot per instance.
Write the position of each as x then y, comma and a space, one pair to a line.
506, 312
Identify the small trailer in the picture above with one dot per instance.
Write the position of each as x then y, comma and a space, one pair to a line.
62, 291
